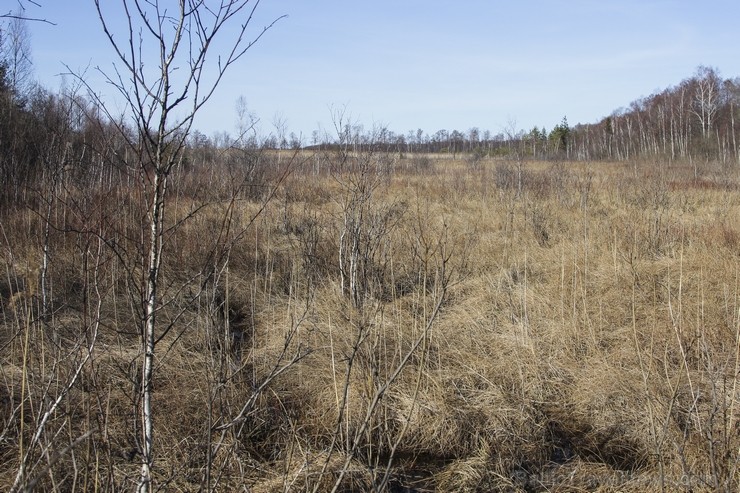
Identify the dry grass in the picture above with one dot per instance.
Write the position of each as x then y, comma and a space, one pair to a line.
586, 340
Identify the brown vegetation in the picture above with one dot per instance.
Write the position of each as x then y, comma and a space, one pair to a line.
382, 324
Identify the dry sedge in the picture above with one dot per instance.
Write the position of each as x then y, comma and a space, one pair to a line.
398, 323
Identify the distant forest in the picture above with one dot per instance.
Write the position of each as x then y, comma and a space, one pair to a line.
695, 119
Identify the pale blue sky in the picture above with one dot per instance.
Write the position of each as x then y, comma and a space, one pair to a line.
434, 65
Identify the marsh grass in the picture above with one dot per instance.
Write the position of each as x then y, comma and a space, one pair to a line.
577, 324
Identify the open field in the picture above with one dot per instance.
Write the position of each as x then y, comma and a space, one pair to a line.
385, 323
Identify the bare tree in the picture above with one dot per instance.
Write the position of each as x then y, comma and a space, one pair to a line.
16, 54
706, 98
158, 39
22, 14
246, 125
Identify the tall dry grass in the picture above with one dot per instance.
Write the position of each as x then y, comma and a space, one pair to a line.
551, 327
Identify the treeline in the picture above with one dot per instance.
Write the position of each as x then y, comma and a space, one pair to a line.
47, 136
695, 119
43, 133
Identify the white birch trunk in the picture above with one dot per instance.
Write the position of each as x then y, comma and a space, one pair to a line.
148, 336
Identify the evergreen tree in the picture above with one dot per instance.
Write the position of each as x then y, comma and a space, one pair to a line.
560, 134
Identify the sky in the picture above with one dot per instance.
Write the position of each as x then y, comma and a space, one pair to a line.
410, 64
